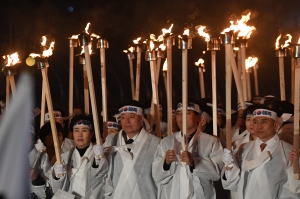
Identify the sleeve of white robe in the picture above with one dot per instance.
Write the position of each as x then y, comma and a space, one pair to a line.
209, 167
294, 185
161, 176
56, 184
102, 168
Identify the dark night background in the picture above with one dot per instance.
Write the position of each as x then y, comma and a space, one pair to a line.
24, 22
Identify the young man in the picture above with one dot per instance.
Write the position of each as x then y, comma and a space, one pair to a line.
188, 173
130, 154
260, 168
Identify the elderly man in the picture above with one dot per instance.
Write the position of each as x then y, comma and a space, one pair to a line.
260, 168
130, 153
188, 173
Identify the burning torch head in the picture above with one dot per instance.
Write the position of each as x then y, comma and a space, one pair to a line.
102, 43
84, 39
213, 44
227, 37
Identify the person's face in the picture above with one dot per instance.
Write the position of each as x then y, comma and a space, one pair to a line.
192, 120
131, 123
219, 119
249, 125
240, 120
82, 136
256, 100
48, 142
264, 128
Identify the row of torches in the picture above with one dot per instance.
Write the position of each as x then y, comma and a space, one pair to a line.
237, 34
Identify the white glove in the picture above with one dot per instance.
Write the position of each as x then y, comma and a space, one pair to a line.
59, 170
40, 146
227, 158
98, 151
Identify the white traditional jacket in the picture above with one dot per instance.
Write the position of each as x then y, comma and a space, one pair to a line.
260, 175
81, 180
179, 182
129, 175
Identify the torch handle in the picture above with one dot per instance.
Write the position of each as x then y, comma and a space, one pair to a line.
7, 92
138, 75
293, 63
228, 57
104, 91
169, 86
43, 100
184, 96
281, 78
131, 78
256, 80
71, 80
243, 60
248, 85
92, 95
201, 78
12, 84
214, 92
52, 119
296, 118
158, 63
86, 91
155, 98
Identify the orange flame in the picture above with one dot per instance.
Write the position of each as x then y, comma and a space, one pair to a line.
167, 31
87, 28
49, 51
202, 33
162, 47
277, 42
44, 38
151, 45
74, 36
288, 41
12, 59
90, 49
165, 66
250, 62
186, 32
299, 41
136, 41
131, 49
199, 62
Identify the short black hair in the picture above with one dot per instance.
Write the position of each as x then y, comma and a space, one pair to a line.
133, 103
46, 130
82, 116
281, 107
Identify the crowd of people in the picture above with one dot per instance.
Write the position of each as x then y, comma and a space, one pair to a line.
134, 163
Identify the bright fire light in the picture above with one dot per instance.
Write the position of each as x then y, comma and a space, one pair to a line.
167, 31
201, 32
12, 59
250, 62
199, 62
165, 66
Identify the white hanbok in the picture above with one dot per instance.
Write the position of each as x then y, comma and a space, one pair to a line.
241, 139
129, 175
260, 175
179, 182
81, 180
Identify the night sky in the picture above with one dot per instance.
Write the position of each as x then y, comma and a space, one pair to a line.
24, 22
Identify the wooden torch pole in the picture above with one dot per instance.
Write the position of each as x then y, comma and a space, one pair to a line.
281, 78
86, 91
138, 73
169, 43
201, 78
293, 62
7, 92
43, 100
255, 80
73, 43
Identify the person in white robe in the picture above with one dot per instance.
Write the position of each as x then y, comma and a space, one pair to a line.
83, 168
259, 169
188, 173
130, 154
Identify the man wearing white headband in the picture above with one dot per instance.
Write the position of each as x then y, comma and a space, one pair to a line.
260, 168
188, 173
130, 154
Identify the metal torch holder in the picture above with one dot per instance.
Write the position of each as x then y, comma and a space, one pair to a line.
41, 62
73, 42
227, 38
213, 44
160, 53
130, 55
241, 42
84, 39
150, 55
295, 50
169, 40
185, 42
102, 43
281, 52
9, 71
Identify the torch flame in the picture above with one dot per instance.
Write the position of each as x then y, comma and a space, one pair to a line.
87, 28
277, 42
151, 45
167, 31
49, 51
250, 62
199, 62
162, 47
165, 66
90, 49
12, 59
202, 33
186, 32
136, 41
74, 36
44, 38
288, 41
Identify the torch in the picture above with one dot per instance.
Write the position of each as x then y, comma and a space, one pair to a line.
169, 42
150, 56
295, 52
200, 64
250, 62
130, 56
138, 67
72, 44
184, 43
160, 53
41, 60
103, 44
281, 52
84, 40
9, 71
255, 79
165, 68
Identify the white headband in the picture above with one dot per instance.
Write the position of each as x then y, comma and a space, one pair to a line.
239, 106
190, 106
265, 113
131, 109
112, 125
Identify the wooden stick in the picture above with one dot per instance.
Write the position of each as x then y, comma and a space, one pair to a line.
201, 78
51, 113
169, 85
281, 78
158, 65
43, 100
248, 85
214, 92
255, 80
138, 73
12, 85
236, 77
71, 80
296, 117
92, 94
244, 82
228, 57
7, 93
165, 82
104, 91
239, 67
86, 91
132, 79
184, 97
293, 62
155, 98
